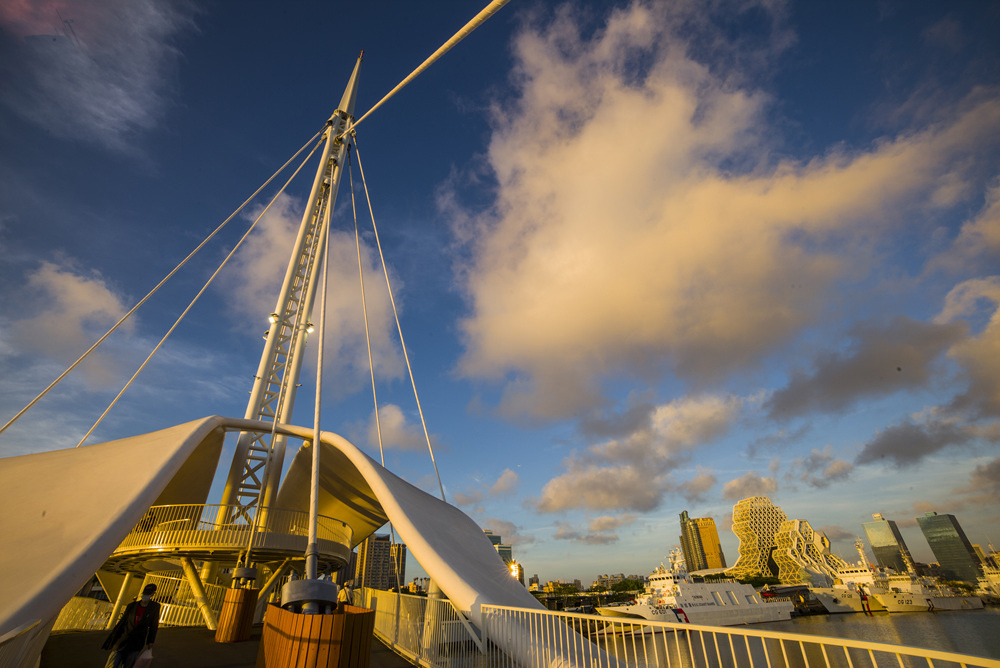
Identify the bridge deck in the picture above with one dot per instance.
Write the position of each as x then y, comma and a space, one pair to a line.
179, 648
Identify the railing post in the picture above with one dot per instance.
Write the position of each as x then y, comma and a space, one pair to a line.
430, 637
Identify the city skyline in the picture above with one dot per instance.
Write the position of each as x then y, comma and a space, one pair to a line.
649, 256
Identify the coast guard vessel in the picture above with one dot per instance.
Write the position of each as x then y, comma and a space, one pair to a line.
671, 596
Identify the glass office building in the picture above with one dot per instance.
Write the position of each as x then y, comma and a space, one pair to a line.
887, 543
950, 546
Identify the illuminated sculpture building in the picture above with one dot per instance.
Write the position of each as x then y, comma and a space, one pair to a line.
755, 523
803, 554
700, 543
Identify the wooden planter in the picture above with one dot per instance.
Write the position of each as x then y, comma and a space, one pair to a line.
236, 618
340, 640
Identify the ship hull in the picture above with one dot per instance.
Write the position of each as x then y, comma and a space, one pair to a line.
907, 602
707, 615
837, 600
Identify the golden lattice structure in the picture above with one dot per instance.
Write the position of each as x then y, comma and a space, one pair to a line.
802, 552
755, 523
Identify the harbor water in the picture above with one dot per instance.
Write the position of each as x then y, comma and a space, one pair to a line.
975, 632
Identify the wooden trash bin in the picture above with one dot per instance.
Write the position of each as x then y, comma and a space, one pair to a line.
339, 640
236, 618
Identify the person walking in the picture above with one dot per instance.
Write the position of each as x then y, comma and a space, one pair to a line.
135, 630
345, 595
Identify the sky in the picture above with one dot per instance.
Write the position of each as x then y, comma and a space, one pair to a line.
649, 256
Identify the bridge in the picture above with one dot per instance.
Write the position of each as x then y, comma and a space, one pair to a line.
138, 509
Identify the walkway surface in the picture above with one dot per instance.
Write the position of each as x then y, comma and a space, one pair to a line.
179, 648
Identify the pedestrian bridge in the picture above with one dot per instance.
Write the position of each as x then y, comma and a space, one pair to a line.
430, 632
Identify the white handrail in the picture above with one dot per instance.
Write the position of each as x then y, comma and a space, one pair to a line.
638, 642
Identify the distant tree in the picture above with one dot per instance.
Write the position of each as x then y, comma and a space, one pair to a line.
627, 585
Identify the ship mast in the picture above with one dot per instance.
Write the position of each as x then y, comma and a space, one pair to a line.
254, 475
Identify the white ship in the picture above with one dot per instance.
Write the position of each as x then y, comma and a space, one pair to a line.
847, 598
909, 593
671, 596
862, 589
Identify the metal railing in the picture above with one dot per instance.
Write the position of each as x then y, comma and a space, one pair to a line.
178, 605
425, 631
82, 613
193, 527
19, 643
528, 638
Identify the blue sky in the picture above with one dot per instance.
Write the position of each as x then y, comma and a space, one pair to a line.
650, 256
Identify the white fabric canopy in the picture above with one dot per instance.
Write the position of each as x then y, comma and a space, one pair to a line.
66, 511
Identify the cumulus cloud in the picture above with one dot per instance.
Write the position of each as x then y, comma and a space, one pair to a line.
256, 273
508, 531
104, 77
505, 484
600, 530
642, 224
906, 443
696, 489
984, 484
749, 484
398, 433
884, 359
979, 239
978, 355
631, 473
820, 469
834, 532
77, 310
468, 498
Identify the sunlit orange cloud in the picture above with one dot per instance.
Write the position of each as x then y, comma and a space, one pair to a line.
624, 241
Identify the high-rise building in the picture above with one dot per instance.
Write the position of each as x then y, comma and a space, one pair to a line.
803, 555
700, 543
950, 546
503, 550
755, 523
887, 543
378, 563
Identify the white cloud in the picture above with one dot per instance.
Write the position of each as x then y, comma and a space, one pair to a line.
749, 484
255, 277
68, 312
397, 432
505, 484
820, 469
509, 532
695, 489
643, 226
978, 355
632, 472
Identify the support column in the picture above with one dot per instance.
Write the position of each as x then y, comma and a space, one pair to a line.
265, 591
199, 593
120, 601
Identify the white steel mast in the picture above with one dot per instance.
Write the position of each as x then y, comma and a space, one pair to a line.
256, 468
